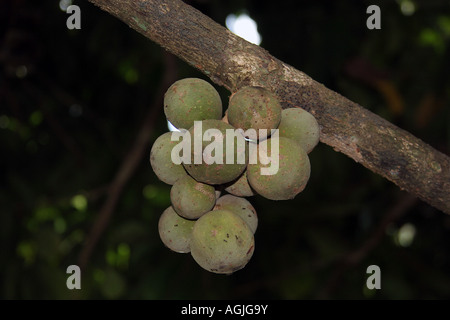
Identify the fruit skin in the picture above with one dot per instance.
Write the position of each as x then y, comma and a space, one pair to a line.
254, 107
241, 207
175, 231
161, 161
217, 173
240, 187
301, 126
191, 199
222, 242
293, 172
191, 99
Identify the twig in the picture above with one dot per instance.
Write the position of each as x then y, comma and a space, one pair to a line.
129, 164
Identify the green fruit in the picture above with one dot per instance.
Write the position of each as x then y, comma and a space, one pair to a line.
241, 207
190, 100
256, 108
301, 126
222, 242
161, 161
240, 187
191, 199
175, 231
220, 171
293, 170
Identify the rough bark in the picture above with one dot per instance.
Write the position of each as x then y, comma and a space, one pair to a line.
232, 62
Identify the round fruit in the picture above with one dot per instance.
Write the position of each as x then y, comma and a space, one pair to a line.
191, 99
241, 207
209, 162
161, 161
240, 187
288, 172
222, 242
175, 231
254, 108
191, 199
301, 126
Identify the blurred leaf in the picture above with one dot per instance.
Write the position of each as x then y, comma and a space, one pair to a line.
444, 24
130, 231
299, 286
431, 38
27, 251
113, 286
79, 202
46, 213
36, 118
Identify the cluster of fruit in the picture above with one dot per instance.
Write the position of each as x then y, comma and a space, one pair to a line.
218, 230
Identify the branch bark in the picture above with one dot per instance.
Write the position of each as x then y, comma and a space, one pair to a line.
232, 62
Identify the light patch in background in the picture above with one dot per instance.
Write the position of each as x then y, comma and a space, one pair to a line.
405, 235
79, 202
21, 72
64, 4
407, 7
171, 126
243, 26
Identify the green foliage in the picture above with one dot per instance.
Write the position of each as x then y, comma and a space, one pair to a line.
72, 103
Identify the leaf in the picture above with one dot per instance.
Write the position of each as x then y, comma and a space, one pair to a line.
113, 285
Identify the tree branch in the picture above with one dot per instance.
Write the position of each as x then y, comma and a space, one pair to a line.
233, 63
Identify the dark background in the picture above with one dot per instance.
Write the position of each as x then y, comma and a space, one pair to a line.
72, 104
